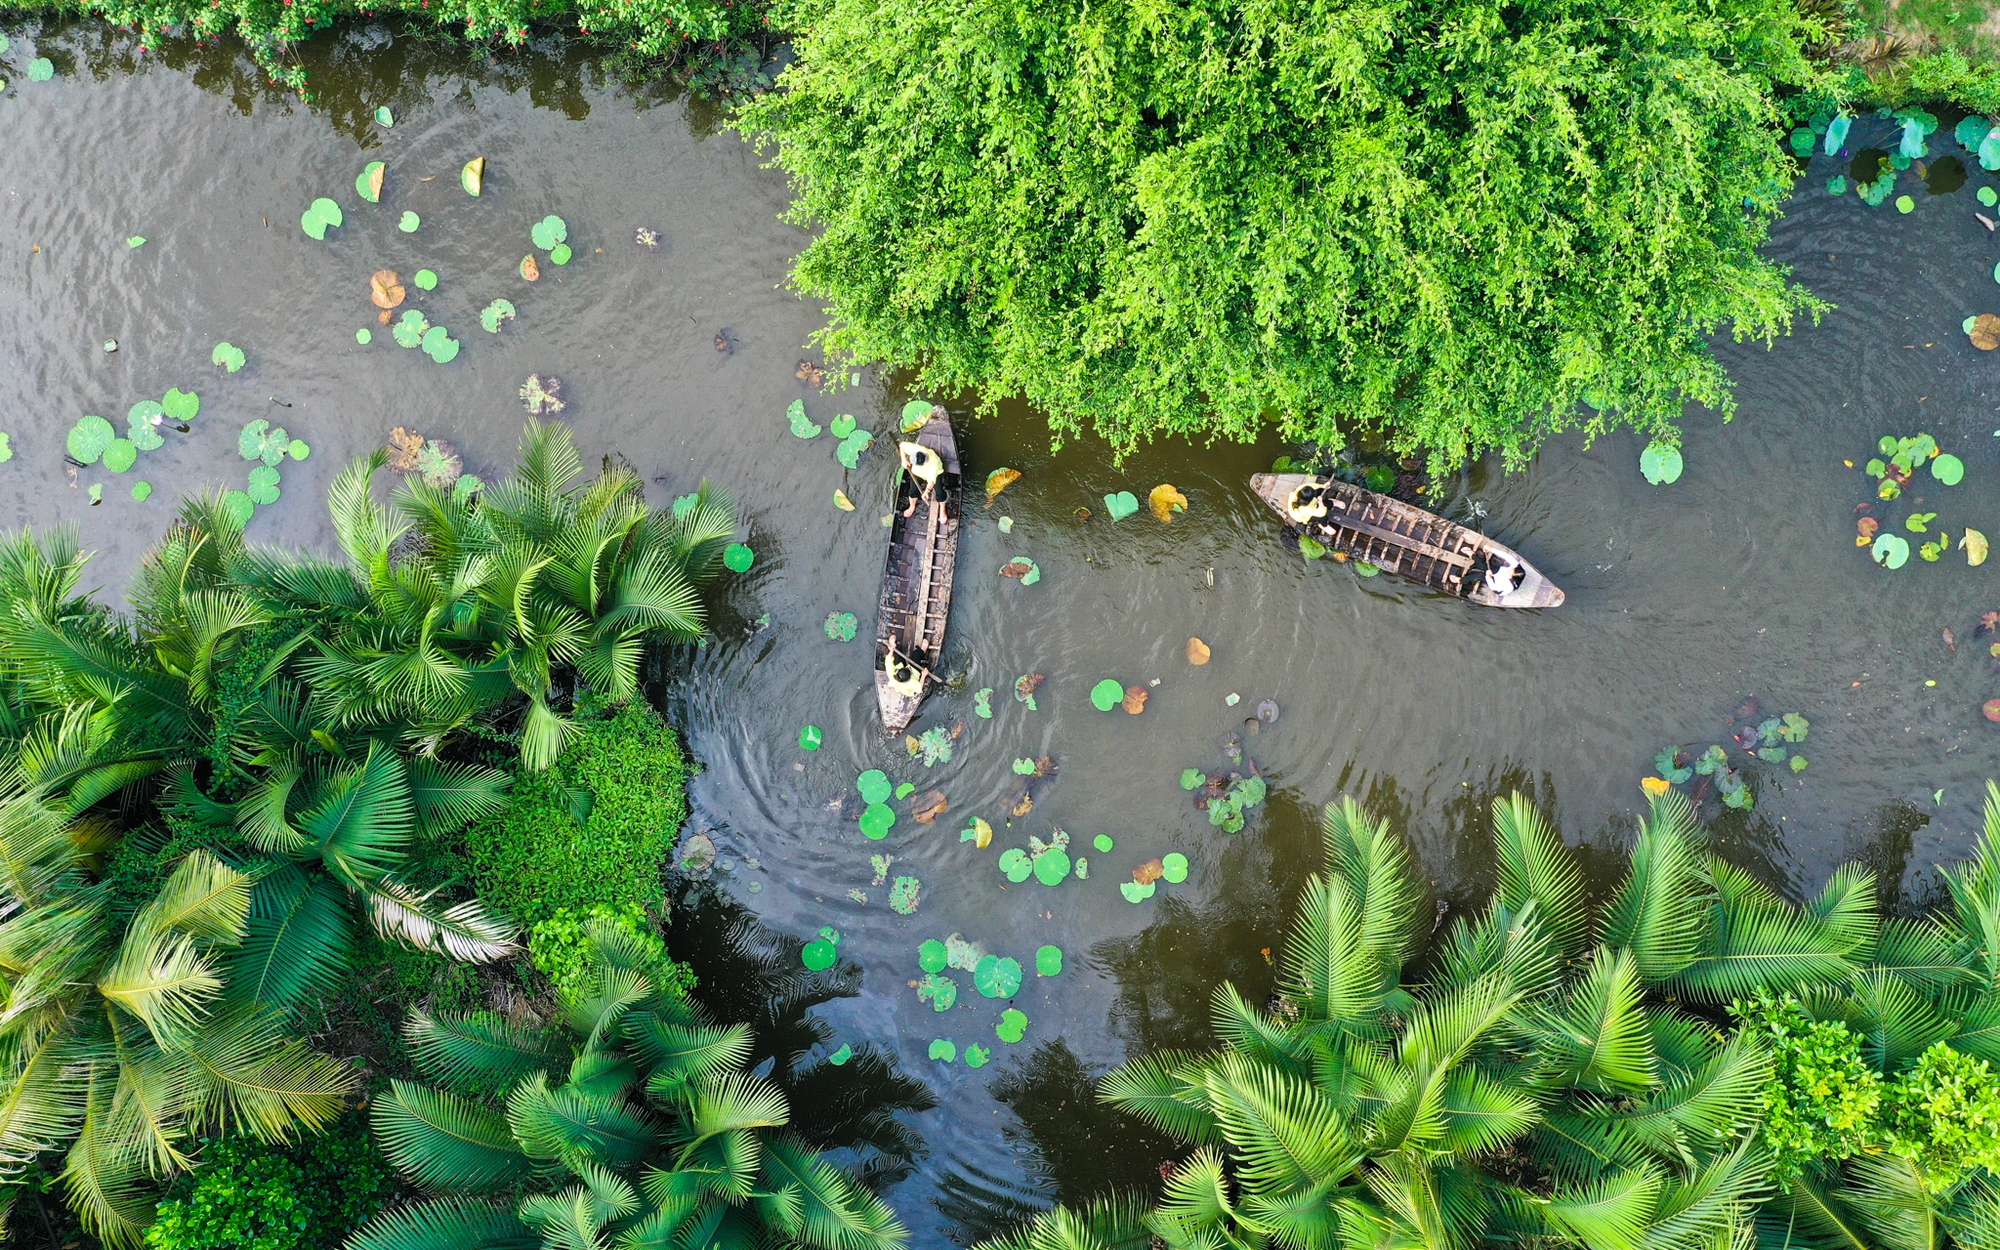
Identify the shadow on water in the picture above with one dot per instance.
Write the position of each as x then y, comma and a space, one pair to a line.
749, 973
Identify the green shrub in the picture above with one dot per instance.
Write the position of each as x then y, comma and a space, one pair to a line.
1944, 1116
246, 1195
595, 828
562, 950
1823, 1102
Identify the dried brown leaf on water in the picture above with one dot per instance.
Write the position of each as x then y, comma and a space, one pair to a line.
385, 287
1150, 871
999, 480
1950, 640
1134, 700
1023, 804
1164, 500
1986, 332
542, 394
1197, 651
928, 806
529, 269
1016, 568
810, 373
404, 448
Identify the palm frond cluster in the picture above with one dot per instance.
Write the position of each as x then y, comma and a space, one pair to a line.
1552, 1074
628, 1123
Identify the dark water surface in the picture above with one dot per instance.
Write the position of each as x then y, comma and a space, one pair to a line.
1741, 579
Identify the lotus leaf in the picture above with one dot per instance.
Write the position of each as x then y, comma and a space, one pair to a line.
180, 405
7, 448
982, 703
228, 355
543, 394
409, 222
1660, 464
842, 425
977, 1056
89, 437
1711, 761
841, 1056
903, 895
548, 232
1365, 569
494, 313
1904, 204
426, 280
259, 441
1798, 763
237, 508
1136, 893
1891, 551
96, 493
935, 743
41, 69
1311, 548
1802, 140
1989, 197
299, 449
439, 345
999, 480
840, 626
1876, 468
364, 336
802, 426
120, 455
1174, 868
263, 489
1836, 185
411, 328
1986, 326
1919, 522
141, 491
849, 450
942, 1048
1052, 866
1968, 132
1024, 689
1015, 863
997, 977
1794, 727
1013, 1025
472, 175
383, 117
1029, 572
874, 786
810, 737
1164, 501
819, 954
1948, 469
915, 414
876, 822
1107, 694
905, 790
1772, 755
1121, 504
560, 254
931, 956
1666, 762
368, 183
1932, 551
1836, 133
737, 558
1974, 546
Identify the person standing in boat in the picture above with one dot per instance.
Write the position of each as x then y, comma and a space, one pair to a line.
923, 466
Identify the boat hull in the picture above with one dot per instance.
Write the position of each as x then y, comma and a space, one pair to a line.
916, 580
1402, 539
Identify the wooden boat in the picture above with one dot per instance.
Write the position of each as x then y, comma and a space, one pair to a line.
916, 584
1398, 538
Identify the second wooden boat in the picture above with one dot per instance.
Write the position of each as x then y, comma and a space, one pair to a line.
916, 584
1405, 540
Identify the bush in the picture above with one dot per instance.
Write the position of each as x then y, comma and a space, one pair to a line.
246, 1195
1452, 223
593, 829
1823, 1101
1945, 1116
562, 950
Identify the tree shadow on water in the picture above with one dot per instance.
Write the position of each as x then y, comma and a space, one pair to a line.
751, 973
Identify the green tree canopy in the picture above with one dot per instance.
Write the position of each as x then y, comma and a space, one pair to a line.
1447, 222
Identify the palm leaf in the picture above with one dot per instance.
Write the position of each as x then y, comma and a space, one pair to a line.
1534, 866
480, 1052
828, 1210
464, 931
1888, 1198
446, 1224
297, 942
363, 824
1659, 913
1612, 1213
103, 1173
1600, 1036
1281, 1130
442, 1141
246, 1075
449, 797
568, 1124
1166, 1089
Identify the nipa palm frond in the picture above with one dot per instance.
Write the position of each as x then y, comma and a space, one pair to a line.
1168, 1090
1534, 865
465, 931
443, 1141
480, 1052
829, 1210
296, 942
1661, 911
446, 1224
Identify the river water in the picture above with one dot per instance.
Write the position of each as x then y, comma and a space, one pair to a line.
1740, 580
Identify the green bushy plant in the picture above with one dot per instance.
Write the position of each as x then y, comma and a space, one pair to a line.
1823, 1101
1944, 1116
247, 1195
562, 950
593, 829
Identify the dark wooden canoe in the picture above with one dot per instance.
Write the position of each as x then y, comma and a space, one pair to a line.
916, 584
1402, 539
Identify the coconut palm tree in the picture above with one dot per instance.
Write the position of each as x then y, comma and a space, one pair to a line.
628, 1122
118, 1045
1555, 1076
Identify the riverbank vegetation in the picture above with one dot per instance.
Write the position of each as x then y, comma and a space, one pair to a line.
1691, 1061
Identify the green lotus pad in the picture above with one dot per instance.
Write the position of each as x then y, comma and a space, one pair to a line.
180, 405
977, 1056
877, 821
319, 215
1049, 961
141, 491
942, 1048
560, 254
1948, 469
228, 355
1660, 464
1136, 893
840, 626
367, 184
819, 954
364, 336
873, 786
810, 738
1107, 694
548, 232
439, 345
120, 455
841, 1056
426, 280
941, 992
1052, 866
89, 437
1103, 843
802, 425
997, 977
1013, 1025
494, 313
409, 222
1174, 868
237, 508
1015, 863
41, 69
905, 790
932, 956
6, 448
738, 558
263, 488
849, 450
383, 117
1121, 505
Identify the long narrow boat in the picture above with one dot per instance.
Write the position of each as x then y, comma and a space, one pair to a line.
916, 584
1405, 540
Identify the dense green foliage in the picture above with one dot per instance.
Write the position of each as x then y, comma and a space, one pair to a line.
1452, 223
1556, 1075
563, 951
631, 1122
250, 1195
595, 829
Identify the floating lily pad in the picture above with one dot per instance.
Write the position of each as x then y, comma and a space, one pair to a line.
840, 626
237, 508
472, 175
1836, 185
89, 437
982, 705
263, 489
737, 558
548, 232
1048, 961
1023, 766
841, 1056
364, 336
1975, 547
426, 280
299, 449
903, 895
1013, 1025
320, 215
96, 493
997, 977
1136, 893
1948, 469
1311, 548
1022, 567
180, 405
1052, 866
120, 455
560, 254
905, 790
977, 1056
494, 313
141, 491
810, 737
383, 117
439, 345
1660, 464
842, 425
999, 480
935, 743
41, 69
1904, 204
876, 821
1891, 551
848, 452
820, 953
931, 956
409, 222
915, 413
940, 991
802, 426
1106, 694
943, 1048
228, 355
6, 448
874, 786
1174, 868
1988, 196
1121, 504
368, 183
259, 441
1015, 863
411, 328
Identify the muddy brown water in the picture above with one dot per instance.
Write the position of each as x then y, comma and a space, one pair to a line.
1741, 579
